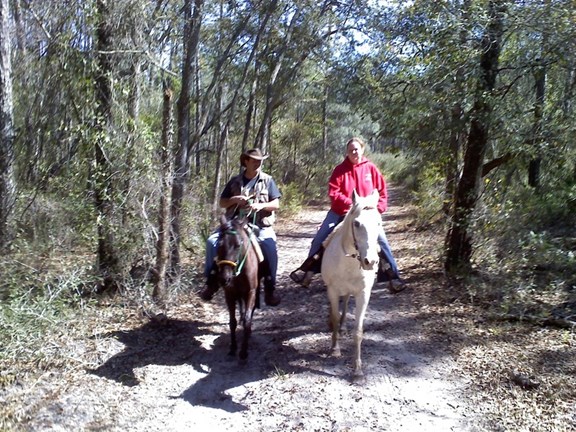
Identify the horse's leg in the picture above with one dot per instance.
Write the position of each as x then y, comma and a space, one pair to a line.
342, 317
334, 320
248, 314
233, 323
361, 307
345, 300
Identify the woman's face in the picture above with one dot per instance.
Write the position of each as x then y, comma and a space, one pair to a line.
354, 152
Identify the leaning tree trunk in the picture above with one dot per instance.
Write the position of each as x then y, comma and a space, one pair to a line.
250, 108
7, 185
459, 238
102, 174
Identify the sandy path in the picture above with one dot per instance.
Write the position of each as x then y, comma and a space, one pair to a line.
176, 376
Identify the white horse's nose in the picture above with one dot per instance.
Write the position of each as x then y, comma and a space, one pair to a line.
368, 264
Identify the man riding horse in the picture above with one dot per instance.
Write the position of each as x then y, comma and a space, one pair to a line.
253, 193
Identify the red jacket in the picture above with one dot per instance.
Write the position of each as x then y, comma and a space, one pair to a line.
364, 177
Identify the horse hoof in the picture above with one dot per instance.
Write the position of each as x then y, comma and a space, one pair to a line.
358, 378
335, 353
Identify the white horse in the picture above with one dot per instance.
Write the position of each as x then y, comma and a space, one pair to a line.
349, 267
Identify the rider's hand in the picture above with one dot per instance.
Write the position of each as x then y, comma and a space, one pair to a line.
241, 200
257, 206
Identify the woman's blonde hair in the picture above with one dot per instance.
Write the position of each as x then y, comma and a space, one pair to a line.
358, 140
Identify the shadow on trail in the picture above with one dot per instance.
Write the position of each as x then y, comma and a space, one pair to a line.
268, 358
168, 343
174, 342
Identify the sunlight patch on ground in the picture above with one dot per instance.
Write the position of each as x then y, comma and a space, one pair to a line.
207, 341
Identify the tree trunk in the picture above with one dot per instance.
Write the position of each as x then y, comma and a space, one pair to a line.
457, 126
20, 33
324, 121
102, 174
459, 238
220, 137
162, 245
182, 162
536, 138
133, 114
271, 102
7, 184
251, 107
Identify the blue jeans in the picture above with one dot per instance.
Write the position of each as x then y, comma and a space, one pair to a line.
267, 242
328, 225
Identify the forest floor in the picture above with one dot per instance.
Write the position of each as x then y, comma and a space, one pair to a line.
432, 362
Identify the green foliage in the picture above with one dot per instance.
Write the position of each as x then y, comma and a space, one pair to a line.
398, 167
37, 298
534, 229
55, 222
399, 91
292, 200
429, 196
198, 219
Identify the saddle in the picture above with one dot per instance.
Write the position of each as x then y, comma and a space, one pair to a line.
252, 231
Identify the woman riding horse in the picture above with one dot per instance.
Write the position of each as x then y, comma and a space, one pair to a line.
358, 173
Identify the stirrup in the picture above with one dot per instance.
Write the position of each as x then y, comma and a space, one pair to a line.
307, 279
397, 287
297, 278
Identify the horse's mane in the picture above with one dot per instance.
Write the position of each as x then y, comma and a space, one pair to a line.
234, 224
353, 211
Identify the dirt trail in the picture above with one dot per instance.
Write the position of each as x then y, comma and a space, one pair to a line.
176, 376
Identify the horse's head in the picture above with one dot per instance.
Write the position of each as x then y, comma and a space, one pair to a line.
365, 227
229, 251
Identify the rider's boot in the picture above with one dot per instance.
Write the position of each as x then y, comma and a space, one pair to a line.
269, 297
385, 274
211, 285
309, 267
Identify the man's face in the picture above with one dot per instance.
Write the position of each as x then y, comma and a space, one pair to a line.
253, 164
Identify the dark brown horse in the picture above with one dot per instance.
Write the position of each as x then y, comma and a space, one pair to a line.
238, 263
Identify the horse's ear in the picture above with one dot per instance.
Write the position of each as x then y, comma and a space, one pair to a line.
354, 196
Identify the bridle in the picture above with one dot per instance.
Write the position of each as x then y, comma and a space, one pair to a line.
241, 260
355, 255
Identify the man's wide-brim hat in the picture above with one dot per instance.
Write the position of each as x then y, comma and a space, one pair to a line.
252, 154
